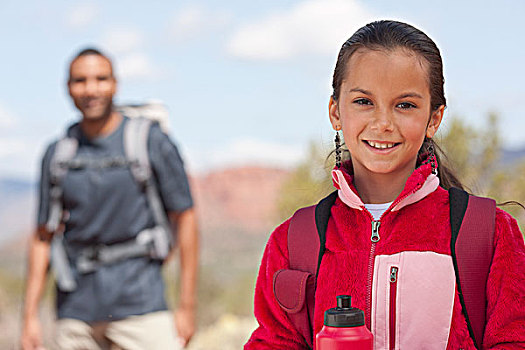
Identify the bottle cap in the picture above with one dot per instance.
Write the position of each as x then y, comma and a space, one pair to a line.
344, 315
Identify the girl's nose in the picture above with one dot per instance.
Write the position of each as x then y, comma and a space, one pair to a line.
383, 120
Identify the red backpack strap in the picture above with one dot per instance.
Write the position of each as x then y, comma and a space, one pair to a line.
303, 229
294, 288
472, 222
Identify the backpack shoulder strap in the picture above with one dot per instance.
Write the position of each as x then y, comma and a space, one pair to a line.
303, 241
322, 215
294, 288
307, 235
65, 150
136, 135
472, 221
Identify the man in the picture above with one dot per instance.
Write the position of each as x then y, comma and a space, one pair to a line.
118, 303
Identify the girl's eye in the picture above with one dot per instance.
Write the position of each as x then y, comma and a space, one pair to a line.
406, 105
363, 101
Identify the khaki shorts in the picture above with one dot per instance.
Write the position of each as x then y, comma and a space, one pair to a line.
155, 330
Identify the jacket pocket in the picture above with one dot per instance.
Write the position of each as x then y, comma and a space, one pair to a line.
412, 300
290, 289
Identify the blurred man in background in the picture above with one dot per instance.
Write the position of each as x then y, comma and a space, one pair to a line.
113, 195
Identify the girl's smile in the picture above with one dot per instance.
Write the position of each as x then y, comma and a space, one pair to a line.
381, 145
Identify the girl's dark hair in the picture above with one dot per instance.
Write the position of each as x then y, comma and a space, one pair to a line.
388, 36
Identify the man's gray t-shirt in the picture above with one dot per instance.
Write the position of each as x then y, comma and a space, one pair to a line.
107, 206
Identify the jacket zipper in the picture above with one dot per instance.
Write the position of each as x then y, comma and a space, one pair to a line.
393, 294
398, 200
374, 238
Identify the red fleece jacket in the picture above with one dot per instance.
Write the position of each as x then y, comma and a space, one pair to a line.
416, 234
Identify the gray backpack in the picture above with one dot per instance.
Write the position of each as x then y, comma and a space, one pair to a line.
155, 242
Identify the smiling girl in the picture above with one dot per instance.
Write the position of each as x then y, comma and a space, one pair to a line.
393, 209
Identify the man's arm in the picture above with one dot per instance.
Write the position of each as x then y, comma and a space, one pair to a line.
38, 263
185, 224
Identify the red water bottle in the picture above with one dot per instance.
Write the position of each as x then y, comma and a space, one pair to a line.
344, 328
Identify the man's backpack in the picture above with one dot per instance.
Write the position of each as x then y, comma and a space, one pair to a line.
155, 242
472, 221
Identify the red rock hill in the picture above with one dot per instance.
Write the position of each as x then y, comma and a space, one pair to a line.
243, 198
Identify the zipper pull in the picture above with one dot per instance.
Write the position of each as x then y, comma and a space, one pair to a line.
393, 274
375, 231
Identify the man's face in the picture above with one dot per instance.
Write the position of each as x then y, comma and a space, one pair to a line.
92, 86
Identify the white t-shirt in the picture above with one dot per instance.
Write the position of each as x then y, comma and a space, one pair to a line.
377, 209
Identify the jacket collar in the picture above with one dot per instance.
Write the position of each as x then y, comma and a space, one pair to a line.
419, 185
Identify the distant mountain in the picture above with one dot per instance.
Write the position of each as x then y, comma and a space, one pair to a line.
14, 187
17, 208
242, 198
512, 156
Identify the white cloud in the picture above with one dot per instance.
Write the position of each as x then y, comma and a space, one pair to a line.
248, 151
195, 20
131, 61
136, 66
7, 119
122, 40
82, 15
310, 27
11, 147
245, 151
18, 146
18, 156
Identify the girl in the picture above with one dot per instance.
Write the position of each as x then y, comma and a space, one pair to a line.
393, 209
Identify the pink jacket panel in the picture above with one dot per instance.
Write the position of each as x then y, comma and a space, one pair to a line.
424, 290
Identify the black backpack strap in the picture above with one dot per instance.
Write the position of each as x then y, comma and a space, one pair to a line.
322, 215
472, 222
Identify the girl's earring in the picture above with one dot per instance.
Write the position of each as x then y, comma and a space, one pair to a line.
432, 156
337, 148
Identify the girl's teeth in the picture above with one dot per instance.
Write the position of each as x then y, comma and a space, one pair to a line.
380, 145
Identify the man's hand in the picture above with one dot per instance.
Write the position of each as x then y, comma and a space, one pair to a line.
32, 335
185, 323
185, 224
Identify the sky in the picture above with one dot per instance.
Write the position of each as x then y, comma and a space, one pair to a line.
246, 82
